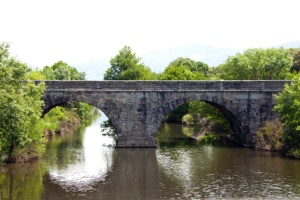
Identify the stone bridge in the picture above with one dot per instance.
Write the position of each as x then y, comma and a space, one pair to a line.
137, 108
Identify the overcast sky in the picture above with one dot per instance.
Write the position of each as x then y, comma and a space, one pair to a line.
76, 31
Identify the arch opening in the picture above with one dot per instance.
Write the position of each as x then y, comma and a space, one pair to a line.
203, 120
75, 114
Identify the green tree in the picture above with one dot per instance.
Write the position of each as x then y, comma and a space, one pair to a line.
185, 69
288, 105
191, 65
296, 60
20, 106
258, 64
62, 71
127, 66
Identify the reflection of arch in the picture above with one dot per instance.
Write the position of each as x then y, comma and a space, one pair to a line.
235, 124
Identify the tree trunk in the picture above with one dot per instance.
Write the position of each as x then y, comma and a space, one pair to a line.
11, 149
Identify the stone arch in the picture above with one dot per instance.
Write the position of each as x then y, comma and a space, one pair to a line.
51, 101
217, 102
105, 106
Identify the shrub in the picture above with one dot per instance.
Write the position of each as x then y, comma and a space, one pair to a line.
269, 137
294, 153
187, 120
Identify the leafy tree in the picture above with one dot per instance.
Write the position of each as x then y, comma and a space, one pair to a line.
35, 75
20, 106
192, 65
138, 72
288, 105
127, 66
296, 59
185, 69
258, 64
62, 71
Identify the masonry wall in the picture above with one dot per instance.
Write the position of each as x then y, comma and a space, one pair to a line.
137, 108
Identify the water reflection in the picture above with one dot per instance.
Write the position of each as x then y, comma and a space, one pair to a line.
217, 172
78, 166
22, 181
228, 173
81, 160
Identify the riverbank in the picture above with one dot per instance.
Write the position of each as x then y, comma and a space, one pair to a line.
64, 127
32, 153
59, 121
207, 131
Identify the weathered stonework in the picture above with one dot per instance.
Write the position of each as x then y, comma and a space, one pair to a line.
137, 108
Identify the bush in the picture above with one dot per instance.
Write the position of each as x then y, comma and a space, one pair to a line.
288, 106
269, 137
187, 120
294, 153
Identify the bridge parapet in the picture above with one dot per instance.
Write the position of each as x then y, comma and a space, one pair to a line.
262, 85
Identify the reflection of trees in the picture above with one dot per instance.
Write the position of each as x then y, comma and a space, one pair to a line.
108, 129
171, 135
23, 181
61, 150
66, 149
134, 176
79, 161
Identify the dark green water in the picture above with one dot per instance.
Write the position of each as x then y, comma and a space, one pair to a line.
81, 166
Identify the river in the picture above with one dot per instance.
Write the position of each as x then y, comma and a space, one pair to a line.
82, 166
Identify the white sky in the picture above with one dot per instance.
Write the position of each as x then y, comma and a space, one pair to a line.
43, 32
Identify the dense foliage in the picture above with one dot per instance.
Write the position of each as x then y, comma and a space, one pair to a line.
257, 64
185, 69
62, 71
296, 60
288, 105
127, 66
269, 137
20, 106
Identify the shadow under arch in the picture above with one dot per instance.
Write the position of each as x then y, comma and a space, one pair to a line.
236, 126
